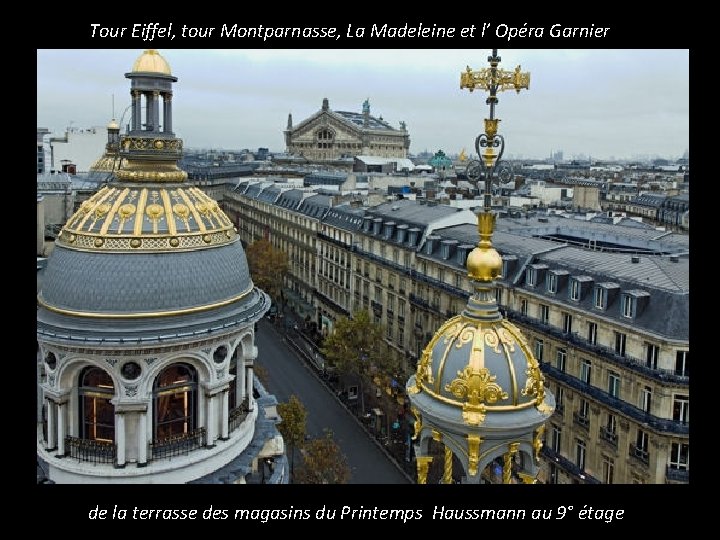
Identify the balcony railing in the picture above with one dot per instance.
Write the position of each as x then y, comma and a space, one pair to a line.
641, 455
237, 415
677, 475
418, 301
607, 353
638, 415
580, 420
609, 437
178, 445
555, 457
333, 240
330, 302
92, 451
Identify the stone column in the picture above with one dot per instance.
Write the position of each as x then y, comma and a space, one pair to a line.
249, 389
120, 439
142, 439
167, 113
239, 381
61, 427
51, 442
225, 414
136, 110
149, 103
156, 111
211, 421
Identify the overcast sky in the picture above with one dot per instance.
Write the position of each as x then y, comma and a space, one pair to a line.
602, 103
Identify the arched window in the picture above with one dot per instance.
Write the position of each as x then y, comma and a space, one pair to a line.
97, 414
175, 401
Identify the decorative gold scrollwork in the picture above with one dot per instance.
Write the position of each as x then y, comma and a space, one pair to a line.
477, 386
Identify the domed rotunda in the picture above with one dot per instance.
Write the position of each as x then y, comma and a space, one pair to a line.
145, 322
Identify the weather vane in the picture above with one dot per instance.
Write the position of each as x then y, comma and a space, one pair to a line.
492, 79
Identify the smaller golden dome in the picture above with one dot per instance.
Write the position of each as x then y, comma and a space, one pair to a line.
151, 62
484, 264
113, 124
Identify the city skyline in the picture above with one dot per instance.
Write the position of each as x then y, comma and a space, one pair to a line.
599, 103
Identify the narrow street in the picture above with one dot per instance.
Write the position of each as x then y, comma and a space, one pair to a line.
287, 375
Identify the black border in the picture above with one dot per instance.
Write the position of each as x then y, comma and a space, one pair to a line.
651, 507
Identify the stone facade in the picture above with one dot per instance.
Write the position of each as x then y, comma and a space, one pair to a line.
620, 377
329, 135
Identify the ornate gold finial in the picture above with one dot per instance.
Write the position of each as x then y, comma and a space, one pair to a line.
484, 263
500, 79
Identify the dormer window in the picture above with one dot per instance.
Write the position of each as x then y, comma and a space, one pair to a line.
412, 239
447, 248
377, 225
535, 274
628, 305
531, 277
508, 265
605, 294
401, 233
600, 298
551, 283
632, 303
574, 290
389, 230
579, 287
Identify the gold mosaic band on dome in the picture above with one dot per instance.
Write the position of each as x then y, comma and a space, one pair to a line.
152, 218
95, 242
151, 176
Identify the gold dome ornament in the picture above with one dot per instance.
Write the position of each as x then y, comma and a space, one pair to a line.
484, 263
478, 389
151, 61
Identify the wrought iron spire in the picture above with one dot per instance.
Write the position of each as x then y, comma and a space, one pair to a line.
492, 79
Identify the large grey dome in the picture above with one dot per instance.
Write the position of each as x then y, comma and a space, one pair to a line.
137, 283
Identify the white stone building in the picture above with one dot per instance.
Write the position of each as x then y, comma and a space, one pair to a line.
145, 326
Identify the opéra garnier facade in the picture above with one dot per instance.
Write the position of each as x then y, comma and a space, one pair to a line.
145, 327
330, 135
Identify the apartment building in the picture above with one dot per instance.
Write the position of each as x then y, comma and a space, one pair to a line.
604, 307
